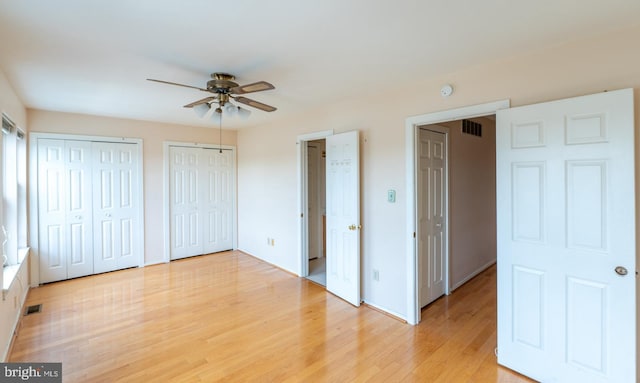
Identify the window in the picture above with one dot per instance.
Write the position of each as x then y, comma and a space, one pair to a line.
13, 231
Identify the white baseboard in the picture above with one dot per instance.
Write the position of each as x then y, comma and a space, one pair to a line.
473, 274
398, 316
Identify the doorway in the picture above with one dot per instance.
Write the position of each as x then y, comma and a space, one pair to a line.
303, 142
456, 204
316, 211
414, 272
342, 196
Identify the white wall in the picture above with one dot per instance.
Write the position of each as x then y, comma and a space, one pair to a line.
11, 305
472, 200
267, 194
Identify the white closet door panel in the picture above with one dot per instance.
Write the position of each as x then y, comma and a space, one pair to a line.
51, 210
218, 202
116, 186
79, 212
186, 218
128, 187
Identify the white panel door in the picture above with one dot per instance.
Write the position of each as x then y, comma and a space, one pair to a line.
185, 197
566, 223
51, 210
343, 216
79, 210
64, 209
116, 184
432, 215
217, 198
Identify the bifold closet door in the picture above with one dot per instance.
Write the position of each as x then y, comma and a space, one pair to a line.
186, 219
87, 219
115, 218
218, 200
64, 209
201, 195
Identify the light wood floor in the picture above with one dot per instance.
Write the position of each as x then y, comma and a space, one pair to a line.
230, 317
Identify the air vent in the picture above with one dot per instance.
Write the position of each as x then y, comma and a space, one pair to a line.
33, 309
472, 128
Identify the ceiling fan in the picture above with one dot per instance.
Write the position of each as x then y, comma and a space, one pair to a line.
224, 89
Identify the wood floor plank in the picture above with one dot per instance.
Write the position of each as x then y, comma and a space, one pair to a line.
230, 317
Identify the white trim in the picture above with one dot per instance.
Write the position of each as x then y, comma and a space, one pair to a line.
166, 203
10, 273
411, 125
473, 274
33, 192
386, 310
303, 204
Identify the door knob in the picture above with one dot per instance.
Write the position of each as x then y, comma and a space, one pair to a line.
622, 271
352, 227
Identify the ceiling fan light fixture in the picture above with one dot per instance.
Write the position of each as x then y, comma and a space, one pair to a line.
230, 109
243, 113
216, 116
201, 109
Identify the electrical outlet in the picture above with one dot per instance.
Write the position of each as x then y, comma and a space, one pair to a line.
376, 274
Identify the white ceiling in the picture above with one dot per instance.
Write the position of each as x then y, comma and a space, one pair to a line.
93, 56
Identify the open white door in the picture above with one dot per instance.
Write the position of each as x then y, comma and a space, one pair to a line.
343, 216
566, 239
432, 215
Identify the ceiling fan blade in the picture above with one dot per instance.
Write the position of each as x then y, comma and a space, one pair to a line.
255, 104
250, 88
175, 83
203, 101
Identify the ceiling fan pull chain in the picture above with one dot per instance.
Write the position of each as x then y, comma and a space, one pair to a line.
220, 139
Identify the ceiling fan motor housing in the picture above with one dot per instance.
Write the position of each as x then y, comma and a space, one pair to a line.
221, 82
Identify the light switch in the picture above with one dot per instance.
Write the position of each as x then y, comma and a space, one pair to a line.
391, 196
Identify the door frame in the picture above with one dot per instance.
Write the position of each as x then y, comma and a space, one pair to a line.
166, 184
303, 196
445, 131
34, 234
412, 126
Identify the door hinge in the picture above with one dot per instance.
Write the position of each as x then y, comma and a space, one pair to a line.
414, 234
301, 215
